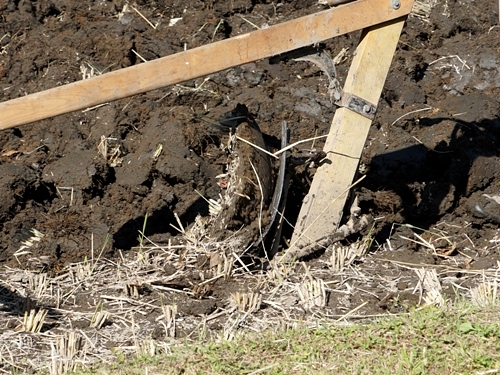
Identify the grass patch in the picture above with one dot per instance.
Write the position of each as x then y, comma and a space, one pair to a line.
459, 340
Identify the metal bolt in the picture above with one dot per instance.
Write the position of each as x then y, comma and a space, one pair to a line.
396, 4
367, 108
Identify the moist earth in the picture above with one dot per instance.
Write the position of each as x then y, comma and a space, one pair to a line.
101, 180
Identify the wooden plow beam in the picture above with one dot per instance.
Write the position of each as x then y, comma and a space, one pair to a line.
202, 61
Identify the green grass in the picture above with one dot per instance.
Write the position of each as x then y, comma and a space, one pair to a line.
461, 340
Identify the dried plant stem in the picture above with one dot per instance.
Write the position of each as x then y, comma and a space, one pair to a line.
409, 113
261, 206
145, 19
257, 147
279, 152
298, 143
33, 321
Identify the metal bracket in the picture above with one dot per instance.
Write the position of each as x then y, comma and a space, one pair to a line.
357, 104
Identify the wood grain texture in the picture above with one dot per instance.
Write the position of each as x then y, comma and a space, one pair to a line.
322, 208
199, 61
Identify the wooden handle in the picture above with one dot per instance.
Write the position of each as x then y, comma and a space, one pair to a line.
199, 61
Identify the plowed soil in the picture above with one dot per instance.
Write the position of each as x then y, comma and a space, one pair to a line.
87, 184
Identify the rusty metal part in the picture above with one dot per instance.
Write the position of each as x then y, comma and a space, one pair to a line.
279, 185
358, 105
488, 215
278, 202
324, 61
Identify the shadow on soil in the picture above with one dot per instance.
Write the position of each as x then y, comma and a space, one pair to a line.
161, 221
424, 184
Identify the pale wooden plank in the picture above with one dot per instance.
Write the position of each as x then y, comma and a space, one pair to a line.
199, 61
322, 208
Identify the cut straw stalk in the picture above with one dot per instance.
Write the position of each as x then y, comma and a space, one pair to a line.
33, 321
168, 319
99, 319
485, 294
64, 352
431, 285
344, 256
247, 302
312, 293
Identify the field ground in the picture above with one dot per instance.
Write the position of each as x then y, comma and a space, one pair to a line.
104, 218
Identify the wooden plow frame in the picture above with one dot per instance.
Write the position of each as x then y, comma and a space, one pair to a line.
321, 212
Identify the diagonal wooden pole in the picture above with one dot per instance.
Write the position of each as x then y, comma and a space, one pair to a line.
322, 208
200, 61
